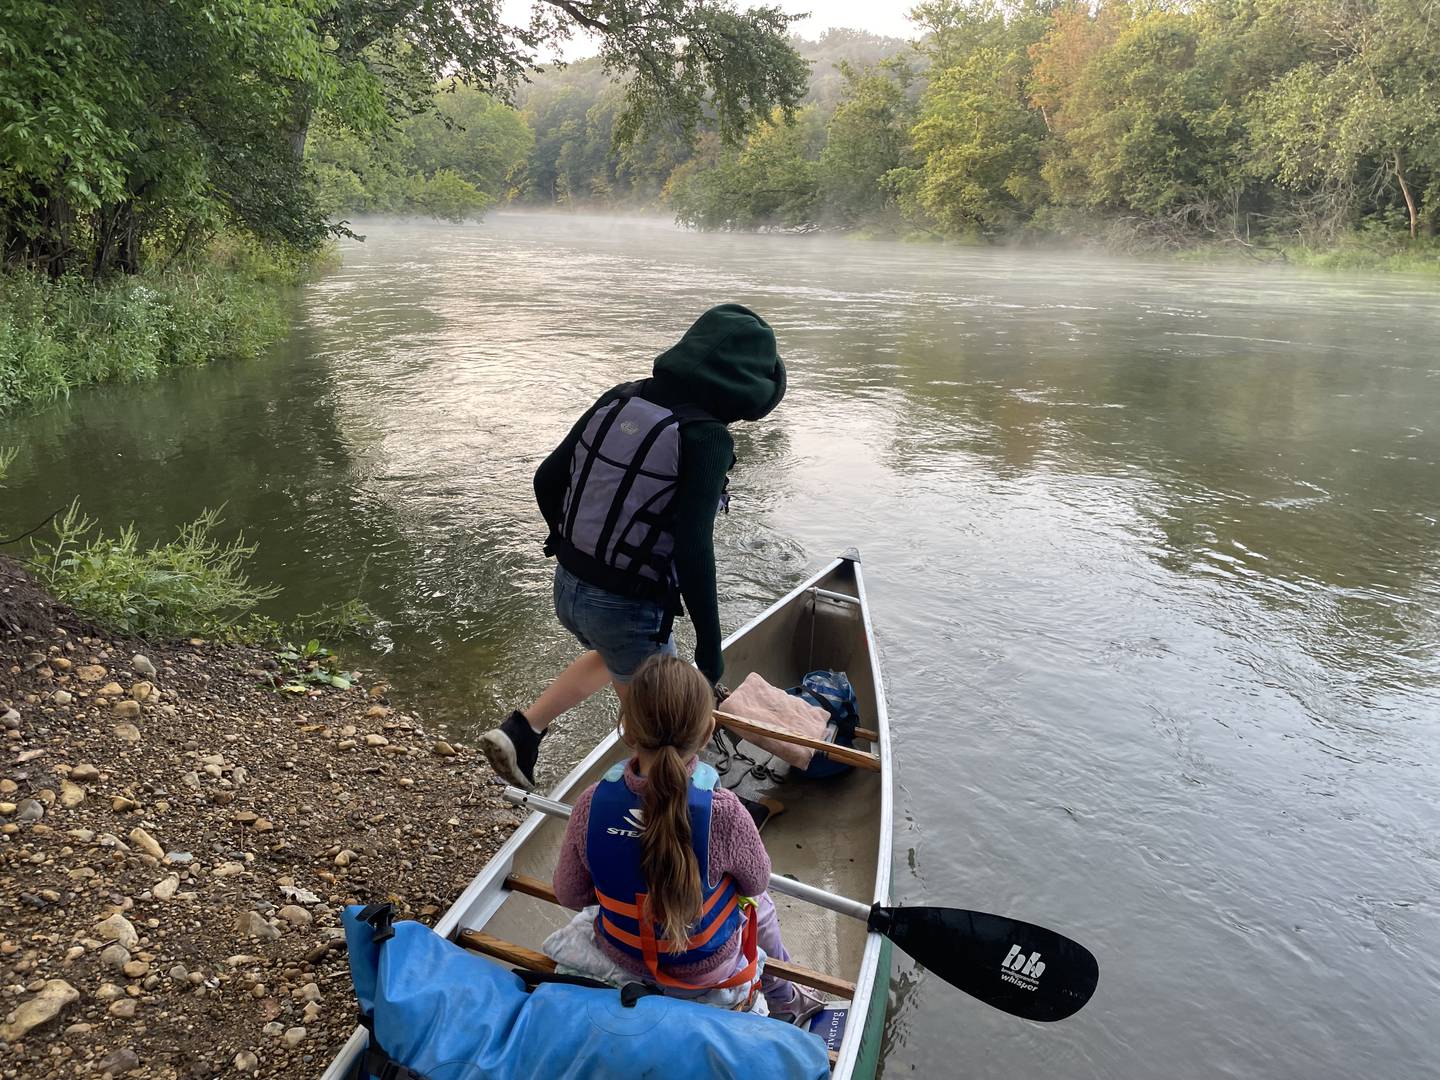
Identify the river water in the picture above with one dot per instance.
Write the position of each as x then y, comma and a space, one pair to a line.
1152, 549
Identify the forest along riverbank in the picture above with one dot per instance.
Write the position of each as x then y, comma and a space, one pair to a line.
177, 842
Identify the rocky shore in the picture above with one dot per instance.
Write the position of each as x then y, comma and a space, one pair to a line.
177, 840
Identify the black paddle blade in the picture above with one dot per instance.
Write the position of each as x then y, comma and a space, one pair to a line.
1019, 968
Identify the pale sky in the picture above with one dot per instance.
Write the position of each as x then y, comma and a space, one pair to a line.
878, 16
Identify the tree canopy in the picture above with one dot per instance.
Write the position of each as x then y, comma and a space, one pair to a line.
132, 128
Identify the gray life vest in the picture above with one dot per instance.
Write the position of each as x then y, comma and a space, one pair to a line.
615, 528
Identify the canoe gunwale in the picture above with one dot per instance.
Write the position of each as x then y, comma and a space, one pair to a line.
486, 893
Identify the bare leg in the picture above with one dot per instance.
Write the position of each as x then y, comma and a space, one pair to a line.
585, 676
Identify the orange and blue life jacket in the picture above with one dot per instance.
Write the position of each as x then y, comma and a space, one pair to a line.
613, 849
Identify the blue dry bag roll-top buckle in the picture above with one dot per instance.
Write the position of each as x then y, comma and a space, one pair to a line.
380, 918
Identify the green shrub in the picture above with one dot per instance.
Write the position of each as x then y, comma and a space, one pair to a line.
56, 336
192, 585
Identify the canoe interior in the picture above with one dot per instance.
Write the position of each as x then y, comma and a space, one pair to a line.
829, 833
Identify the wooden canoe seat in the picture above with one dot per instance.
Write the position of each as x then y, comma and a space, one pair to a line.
541, 890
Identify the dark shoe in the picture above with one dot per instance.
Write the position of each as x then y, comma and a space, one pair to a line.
512, 749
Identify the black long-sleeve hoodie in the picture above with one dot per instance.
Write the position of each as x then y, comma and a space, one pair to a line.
727, 365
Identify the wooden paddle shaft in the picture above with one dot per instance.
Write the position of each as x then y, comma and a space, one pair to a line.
841, 905
846, 754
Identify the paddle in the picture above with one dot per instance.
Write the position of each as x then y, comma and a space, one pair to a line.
1014, 966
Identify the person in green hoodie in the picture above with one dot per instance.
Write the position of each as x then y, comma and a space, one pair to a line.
630, 497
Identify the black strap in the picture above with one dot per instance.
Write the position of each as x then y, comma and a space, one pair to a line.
630, 993
532, 979
381, 1066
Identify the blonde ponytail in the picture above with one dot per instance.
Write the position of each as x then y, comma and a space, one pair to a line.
668, 712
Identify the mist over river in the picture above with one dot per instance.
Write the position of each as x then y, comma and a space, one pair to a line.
1153, 553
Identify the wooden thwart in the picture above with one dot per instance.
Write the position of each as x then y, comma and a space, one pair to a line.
848, 755
541, 890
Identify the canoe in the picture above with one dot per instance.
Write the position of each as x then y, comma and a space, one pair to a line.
833, 833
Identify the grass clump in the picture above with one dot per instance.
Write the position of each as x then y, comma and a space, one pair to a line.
194, 584
56, 336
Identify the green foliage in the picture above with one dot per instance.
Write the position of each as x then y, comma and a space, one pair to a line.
445, 195
450, 163
866, 140
979, 143
192, 585
1144, 126
56, 336
308, 668
773, 180
7, 458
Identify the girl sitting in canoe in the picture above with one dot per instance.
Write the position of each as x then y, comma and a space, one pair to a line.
675, 863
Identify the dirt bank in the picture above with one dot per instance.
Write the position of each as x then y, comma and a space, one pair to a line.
177, 839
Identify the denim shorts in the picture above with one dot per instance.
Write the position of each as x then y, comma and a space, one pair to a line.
622, 629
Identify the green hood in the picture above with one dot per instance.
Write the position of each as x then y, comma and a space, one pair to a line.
726, 364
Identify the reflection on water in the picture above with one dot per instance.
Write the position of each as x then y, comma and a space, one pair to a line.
1152, 549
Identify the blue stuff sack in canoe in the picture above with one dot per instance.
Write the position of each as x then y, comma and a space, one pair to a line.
831, 691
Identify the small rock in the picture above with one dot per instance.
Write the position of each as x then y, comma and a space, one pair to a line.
136, 969
312, 1012
7, 808
109, 992
146, 843
42, 1008
111, 689
61, 663
10, 720
129, 708
90, 673
295, 915
294, 1037
115, 956
376, 740
29, 810
62, 697
8, 786
244, 817
84, 772
119, 929
121, 804
141, 665
141, 690
309, 992
253, 925
246, 1062
165, 889
178, 973
124, 1008
118, 1061
179, 858
229, 869
127, 732
345, 857
264, 825
346, 744
376, 712
273, 1029
443, 749
71, 795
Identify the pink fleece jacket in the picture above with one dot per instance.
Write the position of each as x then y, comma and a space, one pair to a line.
735, 849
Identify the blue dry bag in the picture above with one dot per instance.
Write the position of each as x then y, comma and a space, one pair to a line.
831, 691
437, 1012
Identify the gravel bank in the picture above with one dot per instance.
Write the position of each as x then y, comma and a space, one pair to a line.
177, 839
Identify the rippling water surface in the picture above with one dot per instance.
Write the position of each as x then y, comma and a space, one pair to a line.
1153, 552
